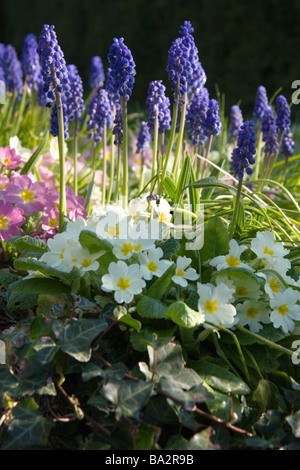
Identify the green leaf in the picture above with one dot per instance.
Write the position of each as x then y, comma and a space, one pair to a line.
170, 187
33, 160
187, 398
170, 248
28, 429
21, 301
183, 315
40, 285
7, 278
75, 338
265, 396
219, 378
148, 307
28, 243
151, 337
216, 239
131, 322
184, 178
128, 396
162, 285
91, 241
45, 349
8, 382
29, 264
294, 422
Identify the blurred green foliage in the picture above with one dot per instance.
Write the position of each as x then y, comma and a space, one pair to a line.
241, 44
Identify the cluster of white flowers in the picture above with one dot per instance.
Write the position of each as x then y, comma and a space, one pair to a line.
267, 294
250, 293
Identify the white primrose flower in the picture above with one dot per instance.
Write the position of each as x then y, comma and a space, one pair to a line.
54, 148
24, 152
270, 253
59, 247
125, 281
113, 224
215, 303
138, 207
182, 274
74, 228
285, 309
163, 210
81, 258
152, 264
232, 259
243, 286
252, 313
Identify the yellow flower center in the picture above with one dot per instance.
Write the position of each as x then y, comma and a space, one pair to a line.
268, 252
152, 267
241, 290
53, 222
274, 284
27, 196
86, 263
252, 312
211, 306
74, 260
283, 309
62, 253
3, 222
113, 231
137, 247
123, 283
163, 217
126, 248
232, 261
180, 272
6, 161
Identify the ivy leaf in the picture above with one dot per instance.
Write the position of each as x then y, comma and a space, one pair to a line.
128, 396
28, 429
75, 338
265, 396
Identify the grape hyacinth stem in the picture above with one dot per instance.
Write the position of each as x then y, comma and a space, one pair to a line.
208, 147
61, 144
258, 153
112, 160
155, 151
125, 152
118, 173
236, 208
75, 147
180, 134
104, 167
21, 109
170, 145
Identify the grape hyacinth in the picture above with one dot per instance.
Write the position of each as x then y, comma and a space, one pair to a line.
31, 62
261, 103
75, 102
287, 145
212, 124
121, 70
97, 76
283, 121
12, 68
53, 65
183, 61
236, 121
196, 116
243, 154
144, 137
100, 115
270, 134
158, 104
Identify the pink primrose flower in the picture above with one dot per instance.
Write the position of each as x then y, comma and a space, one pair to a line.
11, 218
9, 158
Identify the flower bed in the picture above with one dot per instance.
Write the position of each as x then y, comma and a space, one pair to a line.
149, 262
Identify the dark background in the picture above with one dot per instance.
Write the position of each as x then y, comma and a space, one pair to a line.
242, 44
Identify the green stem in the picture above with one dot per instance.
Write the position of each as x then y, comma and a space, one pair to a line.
104, 167
236, 208
92, 178
118, 173
266, 341
209, 142
75, 142
112, 163
258, 153
170, 145
180, 134
155, 149
21, 110
238, 346
61, 144
125, 152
